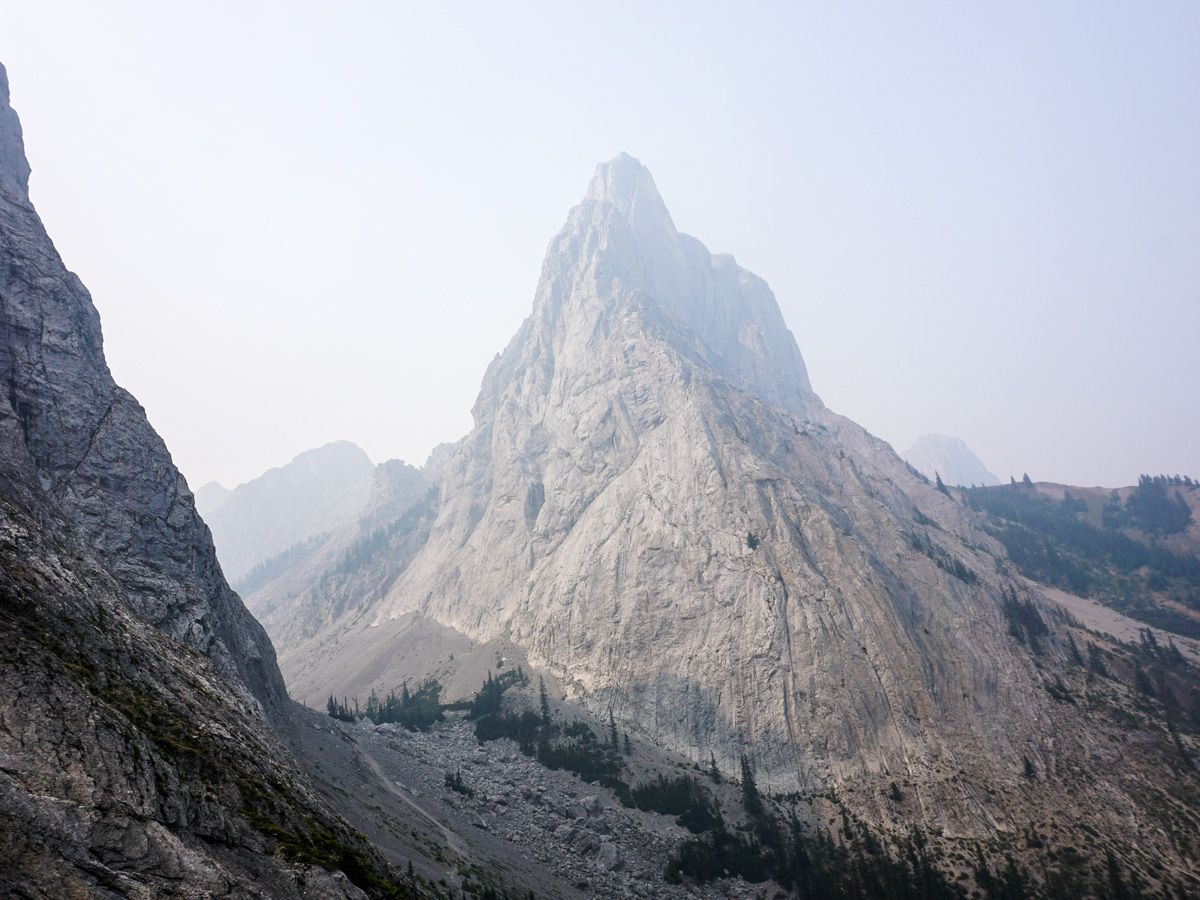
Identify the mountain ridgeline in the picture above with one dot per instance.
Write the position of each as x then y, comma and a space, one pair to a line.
311, 495
655, 509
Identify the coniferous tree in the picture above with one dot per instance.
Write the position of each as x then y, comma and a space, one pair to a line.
1118, 890
713, 772
612, 731
1076, 656
941, 485
751, 799
1096, 664
544, 701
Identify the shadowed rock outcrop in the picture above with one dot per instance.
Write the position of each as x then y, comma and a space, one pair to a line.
137, 694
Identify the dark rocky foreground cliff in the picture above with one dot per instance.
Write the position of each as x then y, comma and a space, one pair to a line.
139, 701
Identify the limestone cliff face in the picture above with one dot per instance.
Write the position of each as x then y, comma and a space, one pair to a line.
137, 756
655, 507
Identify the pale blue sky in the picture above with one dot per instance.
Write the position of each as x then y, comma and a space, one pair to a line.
304, 222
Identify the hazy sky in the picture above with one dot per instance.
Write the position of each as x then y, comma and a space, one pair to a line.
304, 222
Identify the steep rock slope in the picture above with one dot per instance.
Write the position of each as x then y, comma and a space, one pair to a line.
1133, 549
315, 493
655, 507
137, 756
949, 457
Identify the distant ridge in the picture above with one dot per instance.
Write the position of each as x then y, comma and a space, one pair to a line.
949, 457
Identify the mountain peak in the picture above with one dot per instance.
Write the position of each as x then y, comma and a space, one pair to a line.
14, 167
949, 458
619, 265
622, 190
621, 180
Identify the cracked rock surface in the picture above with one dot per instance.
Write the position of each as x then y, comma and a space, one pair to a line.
137, 694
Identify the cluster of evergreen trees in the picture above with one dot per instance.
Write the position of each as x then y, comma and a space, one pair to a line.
812, 864
1155, 509
808, 862
947, 562
363, 550
572, 746
1025, 623
454, 781
269, 569
1051, 541
415, 710
490, 697
684, 797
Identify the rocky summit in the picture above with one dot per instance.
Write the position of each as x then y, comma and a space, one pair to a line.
655, 509
948, 458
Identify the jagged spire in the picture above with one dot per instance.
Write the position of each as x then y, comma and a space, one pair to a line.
624, 182
14, 167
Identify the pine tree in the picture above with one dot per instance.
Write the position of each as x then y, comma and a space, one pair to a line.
941, 485
1076, 656
1025, 480
1096, 662
1116, 883
544, 701
612, 730
751, 799
628, 745
713, 772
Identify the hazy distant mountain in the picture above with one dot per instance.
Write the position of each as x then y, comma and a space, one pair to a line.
949, 457
210, 496
654, 508
311, 584
315, 493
